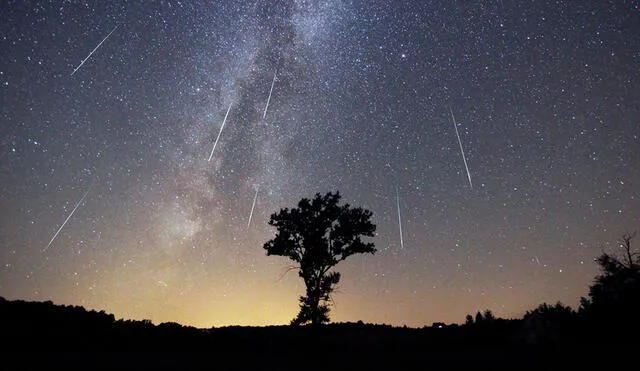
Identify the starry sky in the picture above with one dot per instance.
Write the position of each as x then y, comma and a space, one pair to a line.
113, 197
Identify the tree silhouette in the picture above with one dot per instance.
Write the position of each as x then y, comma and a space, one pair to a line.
317, 235
615, 293
479, 318
488, 316
555, 313
468, 320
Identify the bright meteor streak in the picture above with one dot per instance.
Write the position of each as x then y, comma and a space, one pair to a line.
93, 51
252, 207
269, 98
221, 127
461, 150
68, 217
399, 218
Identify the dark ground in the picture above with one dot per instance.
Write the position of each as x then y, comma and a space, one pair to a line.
48, 336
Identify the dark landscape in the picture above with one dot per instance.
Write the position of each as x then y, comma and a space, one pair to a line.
71, 336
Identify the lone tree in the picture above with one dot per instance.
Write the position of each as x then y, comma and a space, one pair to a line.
317, 235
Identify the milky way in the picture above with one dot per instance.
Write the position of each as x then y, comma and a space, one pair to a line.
315, 96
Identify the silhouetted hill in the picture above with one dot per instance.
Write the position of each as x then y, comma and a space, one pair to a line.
73, 336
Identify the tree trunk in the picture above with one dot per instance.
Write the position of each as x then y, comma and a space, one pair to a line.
315, 319
314, 302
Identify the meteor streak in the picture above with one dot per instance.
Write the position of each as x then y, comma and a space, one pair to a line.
461, 150
399, 219
221, 127
68, 217
93, 51
268, 99
253, 206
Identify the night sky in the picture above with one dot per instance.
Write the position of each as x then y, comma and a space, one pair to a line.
111, 197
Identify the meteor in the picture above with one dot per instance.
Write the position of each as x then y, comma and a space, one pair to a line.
68, 217
399, 218
93, 51
269, 98
461, 150
253, 206
221, 127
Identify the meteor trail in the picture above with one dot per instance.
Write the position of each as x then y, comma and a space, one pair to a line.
68, 217
252, 206
96, 48
268, 99
221, 127
461, 150
399, 219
